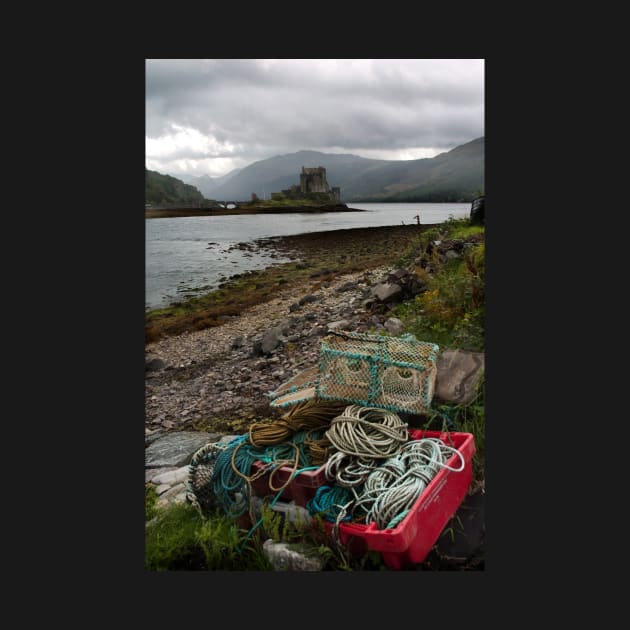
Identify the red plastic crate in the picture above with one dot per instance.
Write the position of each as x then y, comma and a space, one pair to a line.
412, 539
300, 489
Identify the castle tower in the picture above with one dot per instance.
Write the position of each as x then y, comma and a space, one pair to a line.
313, 180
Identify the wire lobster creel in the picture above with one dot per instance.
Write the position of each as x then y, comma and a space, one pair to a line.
393, 373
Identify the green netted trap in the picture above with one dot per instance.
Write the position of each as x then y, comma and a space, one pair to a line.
394, 373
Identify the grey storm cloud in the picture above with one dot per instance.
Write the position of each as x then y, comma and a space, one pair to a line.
249, 109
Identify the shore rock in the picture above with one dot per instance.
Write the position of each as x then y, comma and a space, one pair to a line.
176, 449
458, 374
394, 326
284, 559
387, 292
155, 364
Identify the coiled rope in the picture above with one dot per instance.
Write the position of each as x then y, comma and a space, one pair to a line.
362, 437
331, 502
391, 489
367, 432
349, 471
225, 480
232, 492
311, 416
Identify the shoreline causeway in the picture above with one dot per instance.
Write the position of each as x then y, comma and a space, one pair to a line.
157, 213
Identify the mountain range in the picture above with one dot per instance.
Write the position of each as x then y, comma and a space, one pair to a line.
452, 176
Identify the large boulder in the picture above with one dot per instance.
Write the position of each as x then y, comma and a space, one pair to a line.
458, 374
295, 559
270, 340
154, 364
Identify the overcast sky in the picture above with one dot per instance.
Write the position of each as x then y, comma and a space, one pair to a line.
209, 116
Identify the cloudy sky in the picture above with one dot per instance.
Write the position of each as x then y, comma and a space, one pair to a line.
209, 116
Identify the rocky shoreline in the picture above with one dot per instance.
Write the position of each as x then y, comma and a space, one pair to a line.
218, 379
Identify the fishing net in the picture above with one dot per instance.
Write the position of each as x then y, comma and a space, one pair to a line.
199, 485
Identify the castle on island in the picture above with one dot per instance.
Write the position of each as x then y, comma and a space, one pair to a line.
313, 185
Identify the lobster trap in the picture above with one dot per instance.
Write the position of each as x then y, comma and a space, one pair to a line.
393, 373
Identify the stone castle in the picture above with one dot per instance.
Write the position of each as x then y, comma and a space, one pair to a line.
312, 183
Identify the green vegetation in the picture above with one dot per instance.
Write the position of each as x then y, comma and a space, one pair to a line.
150, 499
305, 199
180, 538
465, 230
166, 189
451, 311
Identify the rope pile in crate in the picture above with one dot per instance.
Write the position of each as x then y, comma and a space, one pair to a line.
377, 474
377, 479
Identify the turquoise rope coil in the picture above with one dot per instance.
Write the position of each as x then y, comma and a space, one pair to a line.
231, 490
331, 503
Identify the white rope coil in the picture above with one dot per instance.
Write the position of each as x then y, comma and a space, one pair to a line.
367, 432
348, 470
391, 489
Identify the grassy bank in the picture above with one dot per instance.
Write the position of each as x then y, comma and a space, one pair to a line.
451, 311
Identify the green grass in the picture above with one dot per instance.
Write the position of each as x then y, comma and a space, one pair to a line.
170, 541
451, 311
150, 499
178, 539
465, 231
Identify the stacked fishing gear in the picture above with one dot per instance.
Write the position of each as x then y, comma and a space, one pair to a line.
374, 472
342, 451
